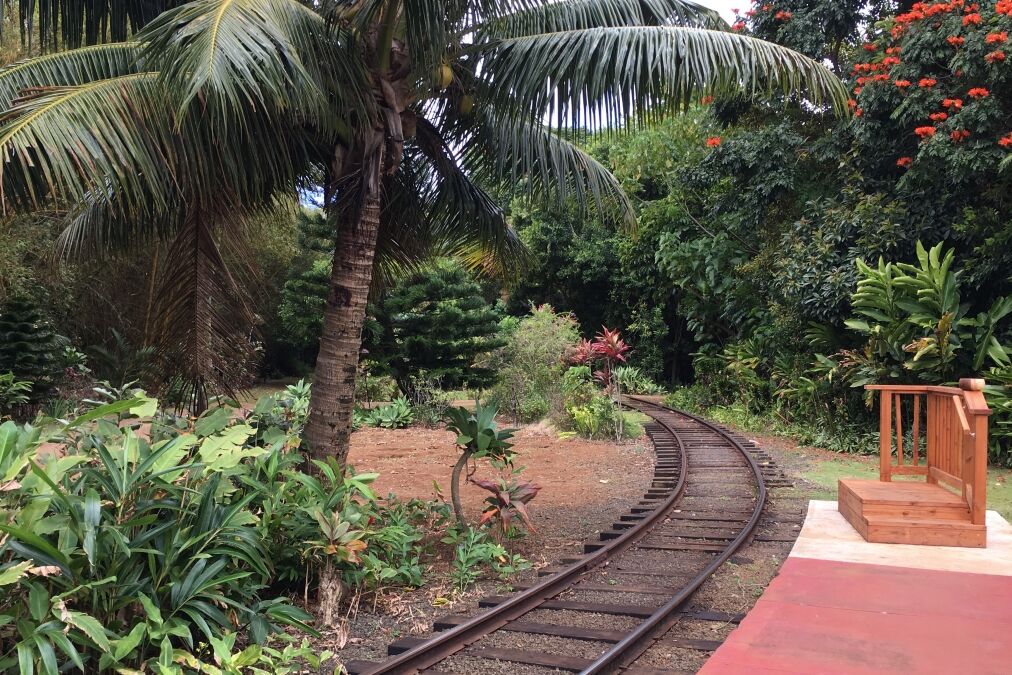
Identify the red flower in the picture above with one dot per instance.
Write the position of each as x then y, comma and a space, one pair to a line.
783, 16
927, 82
706, 100
890, 61
904, 162
858, 90
995, 56
902, 84
893, 50
859, 112
993, 38
972, 19
959, 135
739, 26
852, 103
952, 103
870, 47
979, 92
713, 141
938, 117
955, 41
1006, 141
925, 132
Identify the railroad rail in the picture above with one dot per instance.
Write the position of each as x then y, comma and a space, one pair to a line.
704, 504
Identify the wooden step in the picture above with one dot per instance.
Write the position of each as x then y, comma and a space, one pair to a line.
903, 499
909, 513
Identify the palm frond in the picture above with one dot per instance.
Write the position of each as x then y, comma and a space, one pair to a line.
529, 161
463, 220
552, 17
203, 332
72, 141
642, 72
238, 53
62, 69
119, 139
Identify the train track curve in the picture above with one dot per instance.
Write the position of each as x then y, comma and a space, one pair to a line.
704, 504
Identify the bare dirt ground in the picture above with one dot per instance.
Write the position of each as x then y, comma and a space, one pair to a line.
585, 484
572, 473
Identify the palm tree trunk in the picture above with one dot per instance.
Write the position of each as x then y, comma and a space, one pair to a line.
328, 429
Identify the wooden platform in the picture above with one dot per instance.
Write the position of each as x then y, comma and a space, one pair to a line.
909, 513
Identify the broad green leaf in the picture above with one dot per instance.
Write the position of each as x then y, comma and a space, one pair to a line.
14, 573
89, 626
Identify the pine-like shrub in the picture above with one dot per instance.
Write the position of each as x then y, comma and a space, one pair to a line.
28, 347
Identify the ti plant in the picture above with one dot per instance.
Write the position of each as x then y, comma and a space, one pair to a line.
508, 500
477, 437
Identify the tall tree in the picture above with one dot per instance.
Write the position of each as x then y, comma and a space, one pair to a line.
411, 113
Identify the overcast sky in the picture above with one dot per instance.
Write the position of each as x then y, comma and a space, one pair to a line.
724, 6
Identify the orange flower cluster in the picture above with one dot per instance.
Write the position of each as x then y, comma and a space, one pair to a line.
1006, 141
996, 38
925, 132
972, 19
1004, 7
706, 100
890, 61
952, 103
979, 92
870, 47
713, 141
904, 162
927, 82
996, 56
956, 41
959, 135
783, 15
938, 117
902, 84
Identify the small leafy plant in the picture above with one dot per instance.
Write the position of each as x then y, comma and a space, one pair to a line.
395, 415
13, 392
508, 501
478, 437
474, 552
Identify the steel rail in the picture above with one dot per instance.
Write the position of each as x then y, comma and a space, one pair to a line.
633, 645
451, 641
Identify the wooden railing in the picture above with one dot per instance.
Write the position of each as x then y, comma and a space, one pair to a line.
939, 433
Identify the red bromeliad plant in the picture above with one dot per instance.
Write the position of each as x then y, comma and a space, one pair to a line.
582, 354
609, 346
508, 500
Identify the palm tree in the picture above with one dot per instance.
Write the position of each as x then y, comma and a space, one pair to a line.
417, 117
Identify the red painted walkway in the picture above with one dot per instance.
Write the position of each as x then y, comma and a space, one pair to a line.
852, 615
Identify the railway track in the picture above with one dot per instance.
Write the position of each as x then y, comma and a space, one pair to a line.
600, 612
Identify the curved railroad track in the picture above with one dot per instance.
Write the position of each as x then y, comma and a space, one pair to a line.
602, 611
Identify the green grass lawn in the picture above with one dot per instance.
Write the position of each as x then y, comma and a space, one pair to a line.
824, 470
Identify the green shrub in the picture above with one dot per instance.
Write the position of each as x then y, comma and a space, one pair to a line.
13, 392
530, 365
134, 548
395, 415
29, 349
475, 552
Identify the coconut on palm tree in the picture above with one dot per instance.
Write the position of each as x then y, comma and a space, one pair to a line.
417, 118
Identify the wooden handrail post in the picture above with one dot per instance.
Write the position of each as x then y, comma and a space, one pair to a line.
885, 444
973, 394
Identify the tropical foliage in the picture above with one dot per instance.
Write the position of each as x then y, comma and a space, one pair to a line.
226, 109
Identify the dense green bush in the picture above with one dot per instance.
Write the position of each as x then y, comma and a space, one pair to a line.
530, 364
434, 325
29, 348
156, 538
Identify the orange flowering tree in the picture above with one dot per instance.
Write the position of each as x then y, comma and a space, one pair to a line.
933, 95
